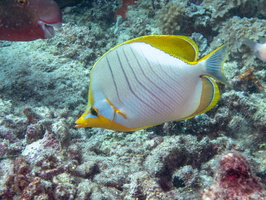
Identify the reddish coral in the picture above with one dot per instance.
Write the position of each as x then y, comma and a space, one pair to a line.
50, 140
18, 181
34, 132
34, 188
123, 9
248, 78
31, 115
234, 180
26, 183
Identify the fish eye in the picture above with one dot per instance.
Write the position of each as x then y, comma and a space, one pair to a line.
94, 111
22, 2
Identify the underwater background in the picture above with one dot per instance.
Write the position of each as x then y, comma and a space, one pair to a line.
44, 86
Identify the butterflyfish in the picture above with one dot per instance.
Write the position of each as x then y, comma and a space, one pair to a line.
26, 20
151, 80
260, 48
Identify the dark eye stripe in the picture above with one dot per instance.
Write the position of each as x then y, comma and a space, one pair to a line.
94, 112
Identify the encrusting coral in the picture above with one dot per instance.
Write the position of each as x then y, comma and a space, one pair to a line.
170, 18
234, 179
220, 8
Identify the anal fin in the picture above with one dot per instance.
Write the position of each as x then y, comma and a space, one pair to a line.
209, 97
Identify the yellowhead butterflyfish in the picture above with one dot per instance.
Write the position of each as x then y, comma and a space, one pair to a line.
151, 80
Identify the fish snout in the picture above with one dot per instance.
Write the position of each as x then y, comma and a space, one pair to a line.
81, 122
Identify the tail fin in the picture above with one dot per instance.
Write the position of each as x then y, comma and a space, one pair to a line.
215, 62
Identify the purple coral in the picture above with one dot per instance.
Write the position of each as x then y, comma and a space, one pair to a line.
31, 115
234, 180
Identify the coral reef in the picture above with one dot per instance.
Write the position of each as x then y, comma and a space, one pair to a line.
44, 87
123, 9
234, 30
221, 8
170, 18
234, 180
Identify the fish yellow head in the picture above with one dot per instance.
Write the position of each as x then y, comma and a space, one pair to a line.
92, 118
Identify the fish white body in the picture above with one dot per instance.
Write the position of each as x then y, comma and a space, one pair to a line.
146, 88
136, 85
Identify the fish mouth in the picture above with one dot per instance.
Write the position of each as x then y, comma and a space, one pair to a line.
80, 122
79, 126
48, 29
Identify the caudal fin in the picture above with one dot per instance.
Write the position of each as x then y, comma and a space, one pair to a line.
215, 63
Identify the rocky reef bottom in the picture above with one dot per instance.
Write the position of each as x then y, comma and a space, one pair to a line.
44, 157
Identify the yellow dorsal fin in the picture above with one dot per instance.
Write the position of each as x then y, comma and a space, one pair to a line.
176, 45
179, 46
